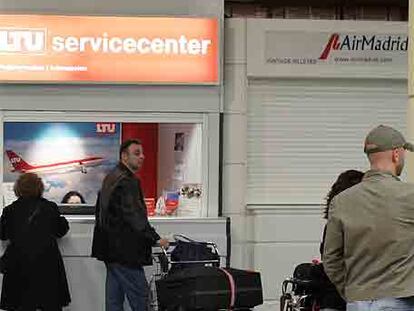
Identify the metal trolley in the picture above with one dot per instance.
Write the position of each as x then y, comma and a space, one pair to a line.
164, 264
305, 289
297, 296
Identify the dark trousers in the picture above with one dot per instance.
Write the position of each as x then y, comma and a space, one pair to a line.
122, 281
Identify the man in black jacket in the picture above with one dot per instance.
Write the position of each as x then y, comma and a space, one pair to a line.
123, 237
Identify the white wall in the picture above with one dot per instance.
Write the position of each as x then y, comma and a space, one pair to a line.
110, 98
271, 238
234, 144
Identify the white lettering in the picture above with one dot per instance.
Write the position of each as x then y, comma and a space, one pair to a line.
4, 41
130, 45
106, 44
96, 44
157, 46
108, 128
22, 41
15, 160
68, 68
83, 42
58, 44
171, 46
194, 46
71, 44
140, 45
6, 67
204, 46
115, 45
105, 128
183, 42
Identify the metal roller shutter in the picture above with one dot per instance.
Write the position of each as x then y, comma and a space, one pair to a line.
302, 133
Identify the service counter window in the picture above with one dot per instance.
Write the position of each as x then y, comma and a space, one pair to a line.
72, 158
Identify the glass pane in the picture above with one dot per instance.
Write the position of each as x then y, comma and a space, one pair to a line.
72, 159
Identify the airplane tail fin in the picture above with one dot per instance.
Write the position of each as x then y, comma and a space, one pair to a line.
19, 165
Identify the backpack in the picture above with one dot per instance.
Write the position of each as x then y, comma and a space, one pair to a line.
310, 279
190, 253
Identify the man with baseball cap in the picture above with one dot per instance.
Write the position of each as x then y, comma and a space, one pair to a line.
369, 247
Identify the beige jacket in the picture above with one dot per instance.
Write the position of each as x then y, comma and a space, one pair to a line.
369, 246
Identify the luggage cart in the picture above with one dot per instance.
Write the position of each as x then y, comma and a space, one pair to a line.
164, 264
293, 300
303, 291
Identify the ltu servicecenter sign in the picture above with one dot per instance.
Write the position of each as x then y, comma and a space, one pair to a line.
102, 49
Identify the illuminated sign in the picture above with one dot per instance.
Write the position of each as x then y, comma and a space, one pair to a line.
102, 49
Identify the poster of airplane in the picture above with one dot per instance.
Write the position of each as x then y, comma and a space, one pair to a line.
68, 156
21, 166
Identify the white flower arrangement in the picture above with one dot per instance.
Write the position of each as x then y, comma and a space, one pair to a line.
190, 191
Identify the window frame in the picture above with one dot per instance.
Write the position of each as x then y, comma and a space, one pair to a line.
210, 139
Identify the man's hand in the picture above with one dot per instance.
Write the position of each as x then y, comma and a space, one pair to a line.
164, 243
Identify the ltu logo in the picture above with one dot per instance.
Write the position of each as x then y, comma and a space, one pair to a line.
15, 160
25, 41
105, 128
332, 44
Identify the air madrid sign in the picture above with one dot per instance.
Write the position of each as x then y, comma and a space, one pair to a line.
330, 49
346, 42
336, 48
102, 49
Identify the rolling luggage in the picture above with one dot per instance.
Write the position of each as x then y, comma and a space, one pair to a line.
209, 288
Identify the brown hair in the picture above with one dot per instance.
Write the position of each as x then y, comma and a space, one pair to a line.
28, 185
344, 181
125, 145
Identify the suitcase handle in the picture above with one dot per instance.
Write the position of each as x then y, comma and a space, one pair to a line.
182, 237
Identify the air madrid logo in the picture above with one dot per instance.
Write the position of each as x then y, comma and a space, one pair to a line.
386, 43
22, 41
331, 45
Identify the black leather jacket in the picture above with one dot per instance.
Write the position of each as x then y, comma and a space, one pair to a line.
122, 232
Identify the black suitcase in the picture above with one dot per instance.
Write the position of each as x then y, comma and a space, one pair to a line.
209, 288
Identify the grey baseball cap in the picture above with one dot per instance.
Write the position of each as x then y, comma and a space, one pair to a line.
383, 138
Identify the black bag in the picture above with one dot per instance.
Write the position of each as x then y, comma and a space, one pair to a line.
309, 278
209, 288
189, 250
